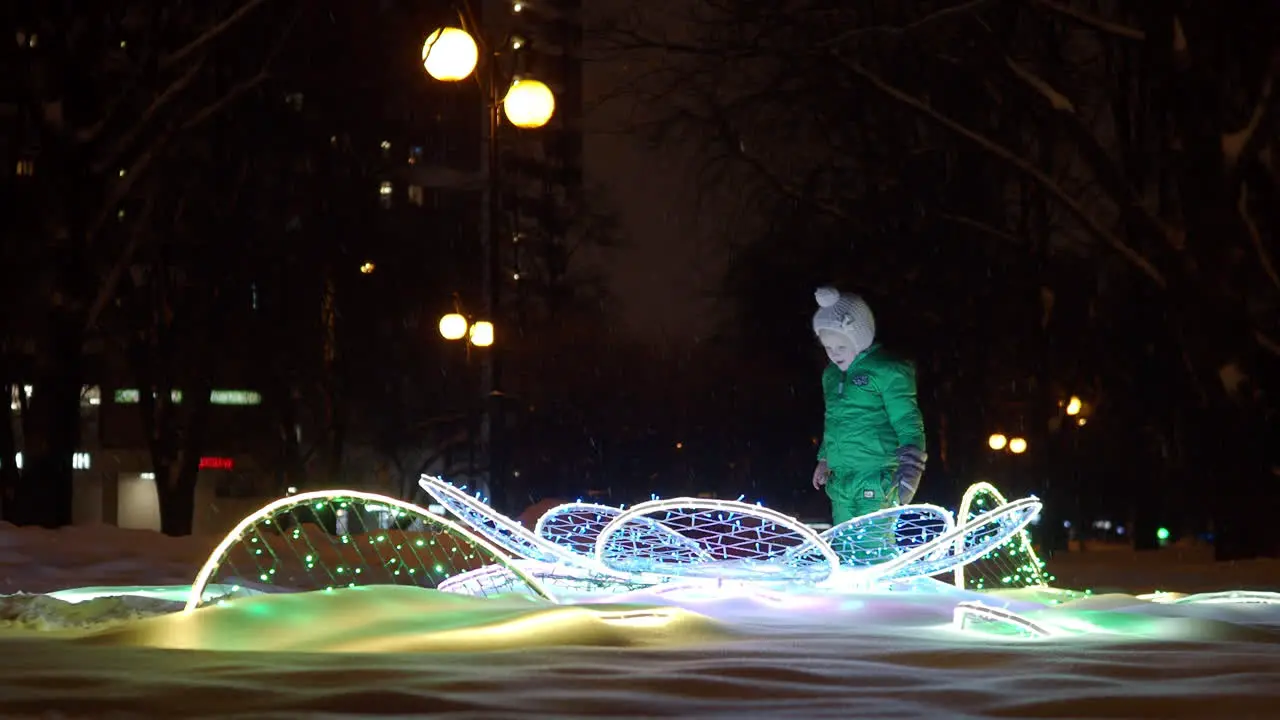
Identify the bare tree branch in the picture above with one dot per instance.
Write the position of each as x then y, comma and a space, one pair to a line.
1255, 238
208, 36
1021, 165
1092, 21
963, 8
174, 89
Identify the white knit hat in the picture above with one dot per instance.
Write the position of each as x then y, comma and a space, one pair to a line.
847, 314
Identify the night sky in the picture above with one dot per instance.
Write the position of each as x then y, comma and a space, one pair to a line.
665, 269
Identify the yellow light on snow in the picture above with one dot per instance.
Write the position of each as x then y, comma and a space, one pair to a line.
482, 334
453, 327
1017, 446
1074, 405
529, 104
997, 442
450, 54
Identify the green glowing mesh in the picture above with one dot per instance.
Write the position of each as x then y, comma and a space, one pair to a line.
1014, 564
344, 541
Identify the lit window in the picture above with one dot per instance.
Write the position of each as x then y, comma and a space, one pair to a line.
416, 195
235, 397
295, 101
127, 397
25, 168
384, 193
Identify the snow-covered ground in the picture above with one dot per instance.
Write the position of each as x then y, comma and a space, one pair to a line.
401, 651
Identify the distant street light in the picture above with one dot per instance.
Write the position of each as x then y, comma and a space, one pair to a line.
529, 104
450, 54
367, 268
1017, 446
453, 326
482, 334
997, 442
1073, 406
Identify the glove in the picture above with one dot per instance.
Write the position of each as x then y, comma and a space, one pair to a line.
911, 462
820, 474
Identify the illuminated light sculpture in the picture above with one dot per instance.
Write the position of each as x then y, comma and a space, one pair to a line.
450, 54
715, 539
576, 525
493, 525
529, 104
971, 611
1014, 565
552, 564
287, 546
1230, 597
719, 540
885, 534
305, 543
961, 545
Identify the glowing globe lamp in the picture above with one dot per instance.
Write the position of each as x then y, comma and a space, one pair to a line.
482, 334
1017, 446
450, 54
529, 104
453, 327
997, 442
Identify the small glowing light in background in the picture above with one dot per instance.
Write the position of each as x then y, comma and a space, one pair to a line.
1074, 405
517, 7
679, 446
1017, 446
1162, 534
997, 441
450, 54
1082, 422
367, 268
385, 188
453, 327
482, 334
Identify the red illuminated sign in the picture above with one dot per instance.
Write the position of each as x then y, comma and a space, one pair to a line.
217, 463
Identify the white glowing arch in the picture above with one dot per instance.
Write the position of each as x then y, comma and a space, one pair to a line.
970, 610
566, 526
267, 512
499, 529
927, 560
561, 577
934, 520
695, 556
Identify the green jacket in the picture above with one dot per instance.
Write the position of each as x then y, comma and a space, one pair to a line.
871, 412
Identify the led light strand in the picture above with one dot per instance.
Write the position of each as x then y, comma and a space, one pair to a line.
1013, 565
254, 551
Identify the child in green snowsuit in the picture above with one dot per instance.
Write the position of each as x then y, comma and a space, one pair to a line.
873, 453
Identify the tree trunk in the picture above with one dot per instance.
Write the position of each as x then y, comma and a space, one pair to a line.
177, 498
43, 494
10, 476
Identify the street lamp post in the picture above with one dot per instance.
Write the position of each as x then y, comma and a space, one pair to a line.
452, 54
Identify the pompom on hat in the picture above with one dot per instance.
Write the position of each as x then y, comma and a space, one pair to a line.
844, 313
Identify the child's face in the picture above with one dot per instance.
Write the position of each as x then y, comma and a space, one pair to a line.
839, 348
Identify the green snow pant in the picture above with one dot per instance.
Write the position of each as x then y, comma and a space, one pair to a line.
854, 494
